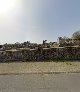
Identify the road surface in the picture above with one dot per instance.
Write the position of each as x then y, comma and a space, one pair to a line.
63, 82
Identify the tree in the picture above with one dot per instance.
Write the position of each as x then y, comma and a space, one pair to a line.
76, 35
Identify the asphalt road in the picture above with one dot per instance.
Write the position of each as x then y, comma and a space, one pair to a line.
40, 83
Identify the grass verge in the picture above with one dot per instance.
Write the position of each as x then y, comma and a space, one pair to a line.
40, 67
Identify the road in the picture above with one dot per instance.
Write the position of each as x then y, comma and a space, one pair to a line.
66, 82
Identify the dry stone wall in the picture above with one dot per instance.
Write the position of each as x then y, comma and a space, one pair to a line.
60, 53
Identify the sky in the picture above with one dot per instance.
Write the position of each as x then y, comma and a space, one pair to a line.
38, 20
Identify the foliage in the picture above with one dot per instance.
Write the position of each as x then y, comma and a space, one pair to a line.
76, 35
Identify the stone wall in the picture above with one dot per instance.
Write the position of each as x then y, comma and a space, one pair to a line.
60, 53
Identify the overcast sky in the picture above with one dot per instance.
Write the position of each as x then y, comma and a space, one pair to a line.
37, 20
